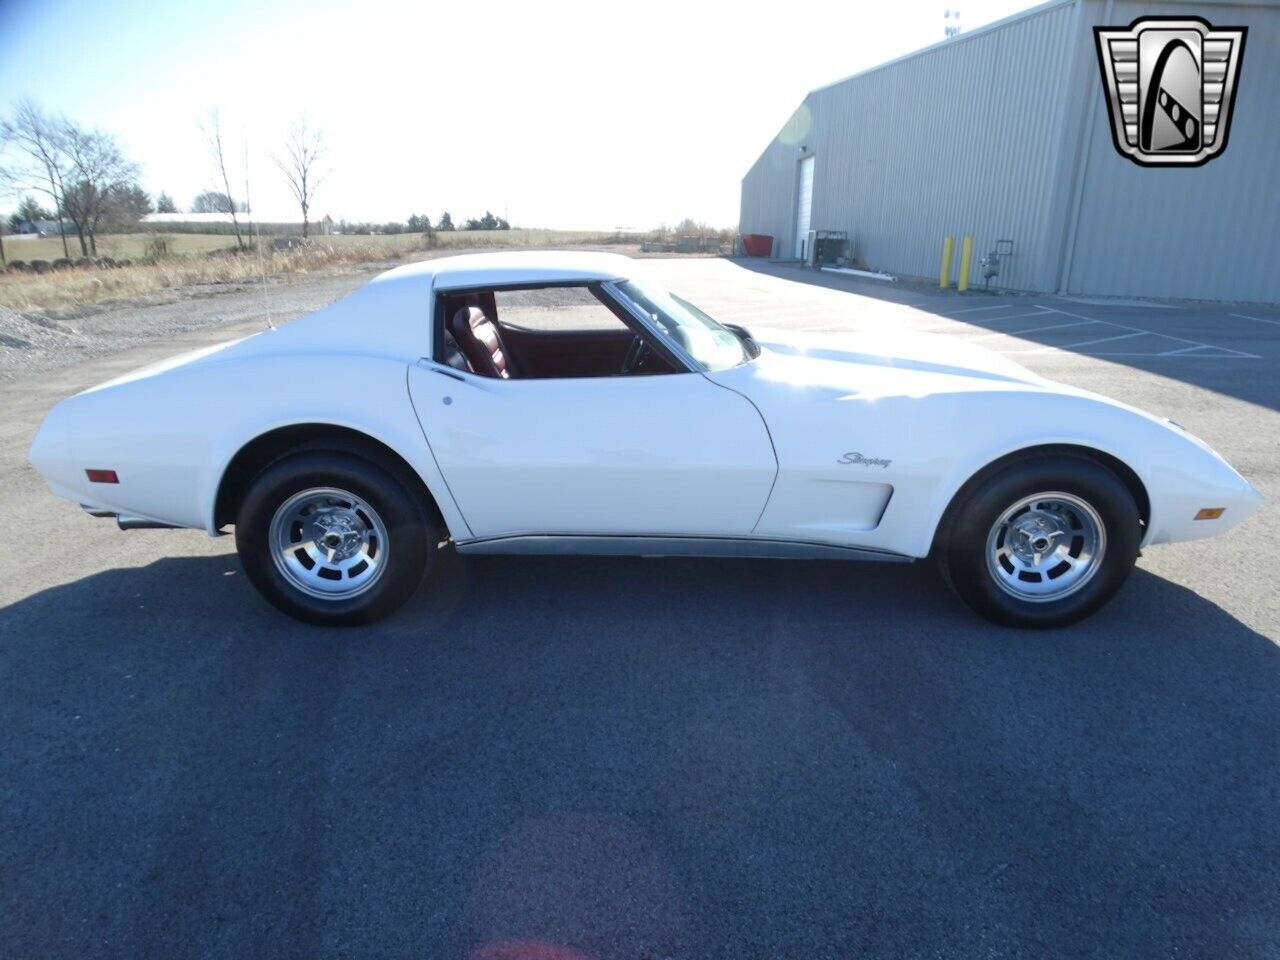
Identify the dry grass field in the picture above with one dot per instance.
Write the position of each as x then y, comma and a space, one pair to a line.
484, 239
133, 246
121, 246
210, 259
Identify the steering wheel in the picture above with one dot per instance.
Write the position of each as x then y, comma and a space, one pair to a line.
637, 356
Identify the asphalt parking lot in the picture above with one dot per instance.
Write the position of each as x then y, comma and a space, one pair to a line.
657, 758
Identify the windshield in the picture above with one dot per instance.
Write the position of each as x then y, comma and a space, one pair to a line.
711, 345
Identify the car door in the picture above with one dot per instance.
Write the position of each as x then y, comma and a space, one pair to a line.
673, 454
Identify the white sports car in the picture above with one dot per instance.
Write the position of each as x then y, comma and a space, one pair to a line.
563, 403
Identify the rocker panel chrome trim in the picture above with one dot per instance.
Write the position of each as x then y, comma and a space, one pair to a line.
624, 546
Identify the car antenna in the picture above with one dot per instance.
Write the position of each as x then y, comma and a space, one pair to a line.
257, 233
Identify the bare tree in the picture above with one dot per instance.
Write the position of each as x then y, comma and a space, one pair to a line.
3, 141
98, 172
215, 201
213, 133
248, 205
303, 150
39, 160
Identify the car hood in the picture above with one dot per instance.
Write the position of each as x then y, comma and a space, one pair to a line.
913, 364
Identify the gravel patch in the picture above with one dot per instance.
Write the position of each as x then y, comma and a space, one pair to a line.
27, 340
32, 344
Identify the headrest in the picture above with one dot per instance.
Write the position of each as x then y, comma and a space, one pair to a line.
468, 318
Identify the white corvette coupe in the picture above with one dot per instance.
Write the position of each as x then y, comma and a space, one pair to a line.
563, 403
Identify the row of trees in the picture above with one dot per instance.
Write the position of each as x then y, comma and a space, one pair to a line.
487, 222
81, 173
135, 204
420, 223
84, 178
214, 201
301, 163
69, 173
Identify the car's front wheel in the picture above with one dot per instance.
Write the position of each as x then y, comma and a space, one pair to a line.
332, 539
1043, 543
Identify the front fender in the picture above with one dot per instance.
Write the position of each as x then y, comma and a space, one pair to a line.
1179, 473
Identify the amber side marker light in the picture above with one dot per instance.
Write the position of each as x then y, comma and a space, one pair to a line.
1210, 513
107, 476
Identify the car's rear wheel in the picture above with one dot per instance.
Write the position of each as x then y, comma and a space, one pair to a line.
1044, 543
330, 538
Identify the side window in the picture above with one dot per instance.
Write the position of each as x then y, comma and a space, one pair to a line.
539, 333
554, 309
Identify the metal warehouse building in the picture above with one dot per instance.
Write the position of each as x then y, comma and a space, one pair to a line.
1003, 134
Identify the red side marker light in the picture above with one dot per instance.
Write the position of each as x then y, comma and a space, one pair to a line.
102, 476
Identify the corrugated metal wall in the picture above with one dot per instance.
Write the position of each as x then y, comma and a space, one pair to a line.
962, 138
988, 135
768, 189
1207, 233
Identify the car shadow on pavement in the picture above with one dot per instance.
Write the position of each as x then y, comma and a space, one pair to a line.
625, 758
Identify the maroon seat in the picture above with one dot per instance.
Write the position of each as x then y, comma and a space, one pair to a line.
478, 339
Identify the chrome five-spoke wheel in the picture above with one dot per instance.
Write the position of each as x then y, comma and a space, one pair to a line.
1046, 546
334, 538
1041, 541
329, 543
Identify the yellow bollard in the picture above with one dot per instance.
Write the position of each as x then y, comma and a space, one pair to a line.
944, 275
966, 260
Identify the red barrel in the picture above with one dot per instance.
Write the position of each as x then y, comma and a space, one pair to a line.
757, 244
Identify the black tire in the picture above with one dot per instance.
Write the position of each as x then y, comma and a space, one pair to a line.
962, 556
410, 535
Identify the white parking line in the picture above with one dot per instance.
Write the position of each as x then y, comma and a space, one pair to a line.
1089, 343
1001, 306
986, 328
978, 323
1051, 326
1168, 336
1002, 318
1132, 353
1259, 319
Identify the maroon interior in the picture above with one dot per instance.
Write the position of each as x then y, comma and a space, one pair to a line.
493, 348
568, 353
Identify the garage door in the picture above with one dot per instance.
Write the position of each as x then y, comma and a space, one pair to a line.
804, 206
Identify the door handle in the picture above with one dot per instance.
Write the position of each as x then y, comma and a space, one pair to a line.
442, 370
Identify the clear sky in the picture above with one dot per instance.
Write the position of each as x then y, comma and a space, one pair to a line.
573, 115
